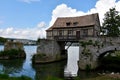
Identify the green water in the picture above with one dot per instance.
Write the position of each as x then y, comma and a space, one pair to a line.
61, 69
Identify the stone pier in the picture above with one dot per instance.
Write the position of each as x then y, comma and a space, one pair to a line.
49, 51
12, 50
91, 50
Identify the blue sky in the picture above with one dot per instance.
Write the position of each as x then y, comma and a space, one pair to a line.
30, 18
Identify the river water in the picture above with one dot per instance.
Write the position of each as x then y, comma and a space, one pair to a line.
42, 71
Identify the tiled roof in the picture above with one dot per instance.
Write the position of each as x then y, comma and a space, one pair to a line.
80, 21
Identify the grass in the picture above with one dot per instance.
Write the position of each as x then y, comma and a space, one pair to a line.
102, 78
53, 78
7, 77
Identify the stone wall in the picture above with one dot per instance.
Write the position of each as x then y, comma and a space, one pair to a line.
48, 51
12, 50
89, 54
13, 45
87, 58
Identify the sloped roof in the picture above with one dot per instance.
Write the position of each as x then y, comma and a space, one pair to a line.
79, 21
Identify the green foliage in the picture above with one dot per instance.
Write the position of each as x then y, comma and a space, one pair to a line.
104, 77
38, 56
88, 67
12, 53
90, 42
7, 77
4, 76
2, 40
86, 52
53, 78
38, 40
24, 78
97, 43
117, 53
112, 23
85, 43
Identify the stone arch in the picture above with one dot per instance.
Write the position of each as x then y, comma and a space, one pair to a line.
107, 49
104, 50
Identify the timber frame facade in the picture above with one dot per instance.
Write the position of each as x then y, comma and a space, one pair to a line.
74, 28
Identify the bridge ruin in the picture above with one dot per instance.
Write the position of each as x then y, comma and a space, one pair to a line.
82, 30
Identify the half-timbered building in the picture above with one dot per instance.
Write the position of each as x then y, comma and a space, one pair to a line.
74, 28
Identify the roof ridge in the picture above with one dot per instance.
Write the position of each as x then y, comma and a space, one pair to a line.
79, 16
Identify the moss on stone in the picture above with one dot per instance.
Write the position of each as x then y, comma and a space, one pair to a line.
12, 50
12, 54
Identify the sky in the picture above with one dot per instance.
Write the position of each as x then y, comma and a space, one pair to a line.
28, 19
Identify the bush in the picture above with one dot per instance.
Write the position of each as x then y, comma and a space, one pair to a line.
7, 77
88, 67
3, 76
12, 53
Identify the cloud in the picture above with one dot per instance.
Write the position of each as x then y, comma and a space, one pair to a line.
26, 33
101, 7
29, 1
64, 11
41, 25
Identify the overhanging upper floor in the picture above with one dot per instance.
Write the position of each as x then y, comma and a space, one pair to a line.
74, 28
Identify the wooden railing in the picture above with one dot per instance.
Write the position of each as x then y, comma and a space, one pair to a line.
70, 38
67, 38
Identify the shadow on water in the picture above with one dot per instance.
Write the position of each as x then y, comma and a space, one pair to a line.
20, 67
87, 74
43, 71
11, 66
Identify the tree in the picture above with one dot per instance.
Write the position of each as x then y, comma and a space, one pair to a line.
2, 40
112, 23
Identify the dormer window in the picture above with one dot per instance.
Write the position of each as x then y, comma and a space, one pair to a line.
68, 24
75, 23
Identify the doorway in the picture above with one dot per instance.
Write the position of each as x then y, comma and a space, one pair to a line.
78, 34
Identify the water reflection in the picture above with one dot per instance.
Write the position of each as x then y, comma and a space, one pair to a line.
19, 67
11, 66
86, 75
43, 71
73, 56
1, 47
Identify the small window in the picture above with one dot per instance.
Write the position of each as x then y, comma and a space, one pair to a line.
75, 23
85, 32
69, 32
60, 32
68, 24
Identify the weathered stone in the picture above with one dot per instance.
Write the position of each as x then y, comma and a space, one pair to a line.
13, 50
48, 51
105, 44
13, 45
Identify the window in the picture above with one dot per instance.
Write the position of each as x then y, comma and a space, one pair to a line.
68, 24
75, 23
69, 32
85, 32
60, 32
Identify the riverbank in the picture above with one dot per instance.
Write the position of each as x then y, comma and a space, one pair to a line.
7, 77
105, 77
101, 77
